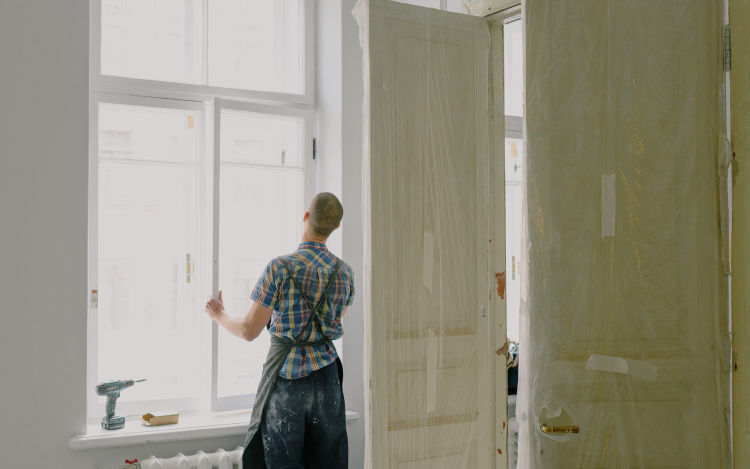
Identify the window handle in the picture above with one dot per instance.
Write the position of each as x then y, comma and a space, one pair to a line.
561, 429
188, 267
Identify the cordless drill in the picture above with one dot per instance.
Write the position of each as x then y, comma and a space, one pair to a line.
112, 390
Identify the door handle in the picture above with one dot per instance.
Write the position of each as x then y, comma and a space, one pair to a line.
561, 429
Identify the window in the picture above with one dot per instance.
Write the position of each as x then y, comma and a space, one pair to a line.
201, 139
515, 175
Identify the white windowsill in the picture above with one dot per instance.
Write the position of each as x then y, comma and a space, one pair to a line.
191, 427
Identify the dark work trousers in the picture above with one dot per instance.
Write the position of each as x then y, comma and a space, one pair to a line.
304, 423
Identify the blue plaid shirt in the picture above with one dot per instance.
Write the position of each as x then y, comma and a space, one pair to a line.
312, 265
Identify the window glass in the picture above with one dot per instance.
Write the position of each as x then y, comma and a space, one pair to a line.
148, 323
153, 39
149, 134
513, 40
261, 208
260, 139
255, 45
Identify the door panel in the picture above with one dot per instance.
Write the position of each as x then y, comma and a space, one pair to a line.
429, 224
622, 116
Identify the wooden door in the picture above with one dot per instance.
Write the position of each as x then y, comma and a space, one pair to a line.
434, 236
626, 320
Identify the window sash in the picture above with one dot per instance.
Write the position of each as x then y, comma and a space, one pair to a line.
95, 404
242, 401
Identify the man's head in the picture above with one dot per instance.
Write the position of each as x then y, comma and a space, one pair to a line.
324, 215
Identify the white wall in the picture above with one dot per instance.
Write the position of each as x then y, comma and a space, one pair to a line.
43, 199
339, 100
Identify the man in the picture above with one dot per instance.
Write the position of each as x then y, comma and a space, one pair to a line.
301, 297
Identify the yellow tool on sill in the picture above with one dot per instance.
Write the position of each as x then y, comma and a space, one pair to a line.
165, 417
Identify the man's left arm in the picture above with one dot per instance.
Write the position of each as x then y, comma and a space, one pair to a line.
247, 327
264, 296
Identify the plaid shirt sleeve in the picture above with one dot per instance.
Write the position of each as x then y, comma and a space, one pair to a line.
266, 291
350, 296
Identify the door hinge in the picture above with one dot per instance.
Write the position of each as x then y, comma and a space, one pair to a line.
727, 48
94, 299
315, 148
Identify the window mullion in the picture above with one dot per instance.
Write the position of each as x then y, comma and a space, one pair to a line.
215, 251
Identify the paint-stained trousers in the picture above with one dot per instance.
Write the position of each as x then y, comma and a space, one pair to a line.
304, 423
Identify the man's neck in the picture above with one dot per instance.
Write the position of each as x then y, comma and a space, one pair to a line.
308, 238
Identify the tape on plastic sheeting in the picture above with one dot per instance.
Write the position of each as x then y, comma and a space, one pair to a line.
432, 371
608, 205
427, 262
622, 366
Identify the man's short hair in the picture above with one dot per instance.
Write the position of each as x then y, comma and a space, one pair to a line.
326, 213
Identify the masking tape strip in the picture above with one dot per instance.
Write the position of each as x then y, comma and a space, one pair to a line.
429, 245
432, 371
608, 205
621, 365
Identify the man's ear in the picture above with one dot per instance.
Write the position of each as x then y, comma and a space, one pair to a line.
307, 215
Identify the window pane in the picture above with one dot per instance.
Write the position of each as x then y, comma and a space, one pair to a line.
260, 218
256, 45
260, 139
148, 322
153, 39
514, 68
142, 133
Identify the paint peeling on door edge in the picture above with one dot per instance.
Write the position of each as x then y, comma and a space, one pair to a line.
503, 351
500, 278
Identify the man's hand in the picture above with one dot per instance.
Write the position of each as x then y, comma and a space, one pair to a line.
215, 308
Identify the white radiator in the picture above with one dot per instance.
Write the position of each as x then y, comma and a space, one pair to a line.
219, 459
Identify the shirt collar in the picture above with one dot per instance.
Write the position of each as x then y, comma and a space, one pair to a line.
313, 245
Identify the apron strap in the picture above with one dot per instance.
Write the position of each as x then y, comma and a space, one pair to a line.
315, 309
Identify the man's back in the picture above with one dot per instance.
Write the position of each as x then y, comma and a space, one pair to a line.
312, 267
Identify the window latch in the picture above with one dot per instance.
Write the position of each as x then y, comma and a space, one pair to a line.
188, 267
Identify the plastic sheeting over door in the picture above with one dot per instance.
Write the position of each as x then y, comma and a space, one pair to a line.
624, 332
431, 308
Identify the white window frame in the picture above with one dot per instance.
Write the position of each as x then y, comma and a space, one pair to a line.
208, 101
